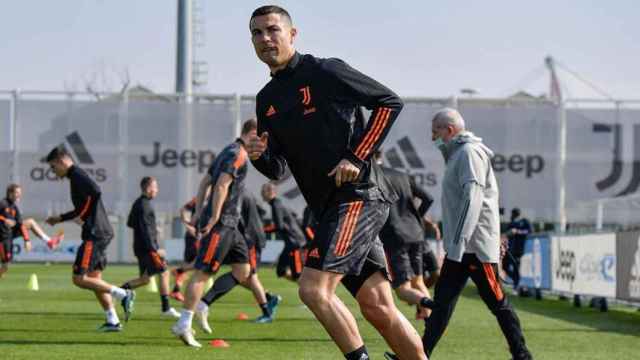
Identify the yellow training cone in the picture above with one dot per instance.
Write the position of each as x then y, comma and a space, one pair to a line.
152, 286
33, 283
209, 284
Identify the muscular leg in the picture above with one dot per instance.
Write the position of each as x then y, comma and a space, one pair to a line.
253, 283
92, 283
317, 291
104, 298
377, 306
32, 225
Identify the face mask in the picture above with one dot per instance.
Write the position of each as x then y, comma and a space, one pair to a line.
439, 143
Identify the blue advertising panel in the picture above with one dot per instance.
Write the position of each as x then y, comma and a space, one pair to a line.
535, 265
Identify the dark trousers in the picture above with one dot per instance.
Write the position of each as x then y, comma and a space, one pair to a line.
511, 265
453, 277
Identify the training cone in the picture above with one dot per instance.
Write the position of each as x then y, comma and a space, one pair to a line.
208, 285
33, 283
152, 286
219, 343
242, 316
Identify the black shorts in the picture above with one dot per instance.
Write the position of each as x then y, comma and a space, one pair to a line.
290, 258
191, 245
91, 256
254, 258
429, 262
346, 242
405, 263
6, 251
222, 245
151, 263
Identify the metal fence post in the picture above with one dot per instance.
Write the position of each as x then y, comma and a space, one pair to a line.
14, 170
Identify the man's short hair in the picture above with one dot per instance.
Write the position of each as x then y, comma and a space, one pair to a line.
249, 126
57, 153
270, 9
146, 181
12, 188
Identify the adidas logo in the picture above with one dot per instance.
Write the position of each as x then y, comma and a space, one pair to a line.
79, 149
80, 155
271, 111
314, 253
405, 156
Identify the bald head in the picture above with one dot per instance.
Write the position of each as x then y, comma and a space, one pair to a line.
449, 116
446, 124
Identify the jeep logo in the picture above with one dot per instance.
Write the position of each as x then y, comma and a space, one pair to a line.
171, 158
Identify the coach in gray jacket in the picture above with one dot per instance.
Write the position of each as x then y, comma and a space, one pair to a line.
471, 234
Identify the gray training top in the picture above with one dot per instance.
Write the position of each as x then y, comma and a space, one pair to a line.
470, 214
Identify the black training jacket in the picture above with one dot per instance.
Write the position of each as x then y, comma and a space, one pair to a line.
142, 219
87, 202
311, 110
405, 224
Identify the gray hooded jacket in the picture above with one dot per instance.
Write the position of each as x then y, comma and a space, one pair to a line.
470, 214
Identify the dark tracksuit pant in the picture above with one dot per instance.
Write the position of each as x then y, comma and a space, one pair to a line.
453, 277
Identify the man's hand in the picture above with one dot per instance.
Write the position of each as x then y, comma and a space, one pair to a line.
10, 223
257, 145
191, 230
27, 246
205, 230
52, 220
162, 253
344, 172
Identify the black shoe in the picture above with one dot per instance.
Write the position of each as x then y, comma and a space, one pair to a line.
106, 327
127, 304
390, 356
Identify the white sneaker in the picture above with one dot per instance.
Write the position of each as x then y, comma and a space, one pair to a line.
202, 318
173, 313
186, 335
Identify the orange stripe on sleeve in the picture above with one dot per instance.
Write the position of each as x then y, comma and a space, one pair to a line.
310, 233
375, 124
376, 135
241, 159
493, 282
85, 208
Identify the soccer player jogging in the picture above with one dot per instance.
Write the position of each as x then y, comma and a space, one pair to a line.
305, 121
12, 226
403, 238
221, 242
252, 229
471, 232
287, 228
142, 219
191, 246
91, 259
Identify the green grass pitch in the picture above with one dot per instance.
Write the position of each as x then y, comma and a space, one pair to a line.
59, 322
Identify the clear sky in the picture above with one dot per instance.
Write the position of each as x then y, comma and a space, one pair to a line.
418, 48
